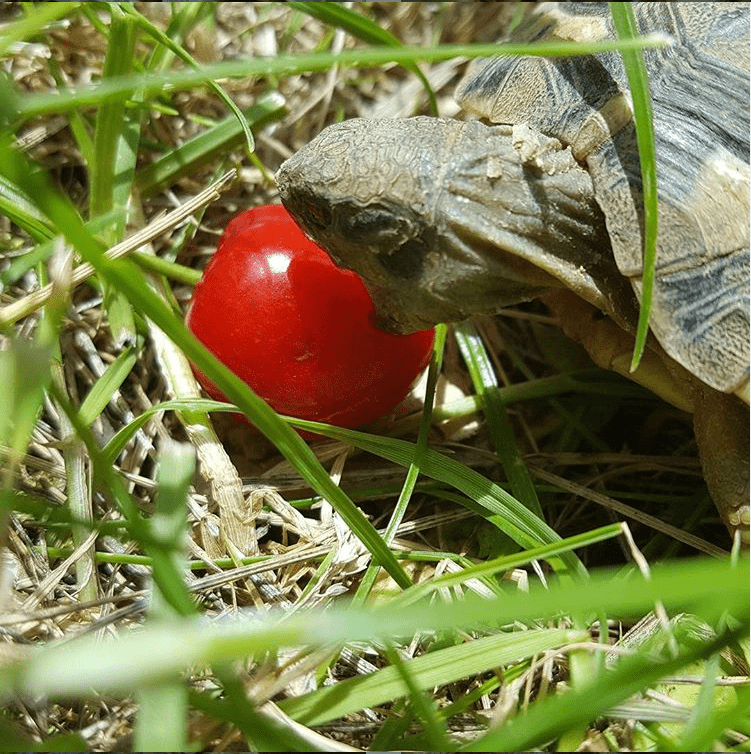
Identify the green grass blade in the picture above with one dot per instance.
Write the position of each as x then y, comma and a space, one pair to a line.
425, 708
24, 375
414, 469
262, 729
208, 145
501, 432
549, 718
428, 670
162, 720
172, 270
624, 22
506, 563
283, 65
184, 18
361, 27
508, 514
123, 436
713, 723
36, 18
353, 23
19, 207
186, 58
108, 131
12, 741
169, 579
145, 655
116, 136
23, 263
102, 390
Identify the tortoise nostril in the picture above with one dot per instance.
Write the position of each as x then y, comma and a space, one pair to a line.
317, 215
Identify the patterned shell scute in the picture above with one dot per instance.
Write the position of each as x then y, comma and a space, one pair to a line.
699, 87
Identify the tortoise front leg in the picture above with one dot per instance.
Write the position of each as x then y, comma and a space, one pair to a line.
721, 421
721, 424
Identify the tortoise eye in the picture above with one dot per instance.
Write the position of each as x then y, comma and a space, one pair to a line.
368, 223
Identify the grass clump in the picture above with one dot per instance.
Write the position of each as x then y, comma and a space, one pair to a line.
173, 581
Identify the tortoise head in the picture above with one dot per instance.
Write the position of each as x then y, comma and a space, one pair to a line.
366, 191
442, 219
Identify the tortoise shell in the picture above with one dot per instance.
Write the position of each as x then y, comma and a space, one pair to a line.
699, 87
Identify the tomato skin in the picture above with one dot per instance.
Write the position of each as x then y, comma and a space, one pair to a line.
275, 309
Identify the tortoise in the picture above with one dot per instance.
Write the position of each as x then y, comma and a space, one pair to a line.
446, 218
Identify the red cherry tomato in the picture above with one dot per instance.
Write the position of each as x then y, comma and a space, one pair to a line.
300, 331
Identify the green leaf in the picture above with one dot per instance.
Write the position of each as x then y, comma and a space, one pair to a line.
624, 22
